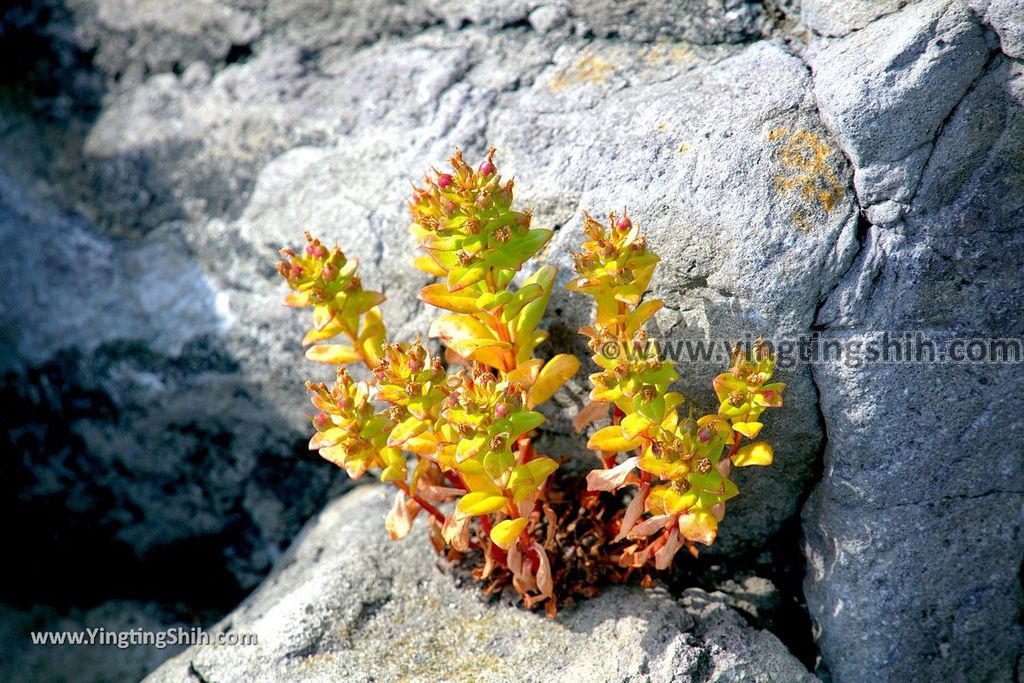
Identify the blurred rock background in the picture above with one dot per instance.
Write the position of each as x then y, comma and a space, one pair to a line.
832, 167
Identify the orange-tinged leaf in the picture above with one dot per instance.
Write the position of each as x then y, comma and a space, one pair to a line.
611, 479
664, 555
545, 581
455, 532
486, 351
399, 520
649, 526
423, 444
610, 439
699, 526
505, 533
526, 373
334, 354
462, 301
592, 412
556, 373
299, 299
480, 503
757, 453
454, 327
633, 512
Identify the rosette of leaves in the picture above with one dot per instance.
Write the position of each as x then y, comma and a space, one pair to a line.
679, 467
468, 431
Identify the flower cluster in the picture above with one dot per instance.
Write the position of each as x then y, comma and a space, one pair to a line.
679, 466
329, 282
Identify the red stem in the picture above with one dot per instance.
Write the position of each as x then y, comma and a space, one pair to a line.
735, 446
434, 512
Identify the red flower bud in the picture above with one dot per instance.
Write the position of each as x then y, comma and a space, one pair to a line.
487, 168
624, 223
443, 180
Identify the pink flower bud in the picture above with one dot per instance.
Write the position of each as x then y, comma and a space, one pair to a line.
487, 168
321, 421
443, 180
501, 410
769, 395
296, 272
624, 223
704, 435
328, 272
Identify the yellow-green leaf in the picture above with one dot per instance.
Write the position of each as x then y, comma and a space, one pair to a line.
748, 429
429, 266
334, 354
505, 533
610, 439
634, 425
757, 453
462, 301
699, 526
412, 426
530, 476
480, 503
556, 373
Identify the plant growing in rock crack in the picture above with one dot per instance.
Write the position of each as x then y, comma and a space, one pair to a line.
461, 428
678, 468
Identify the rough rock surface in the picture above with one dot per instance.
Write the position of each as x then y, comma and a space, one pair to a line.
915, 548
347, 603
838, 167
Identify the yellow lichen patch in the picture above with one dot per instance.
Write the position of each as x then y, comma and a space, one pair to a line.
663, 53
684, 148
591, 69
805, 157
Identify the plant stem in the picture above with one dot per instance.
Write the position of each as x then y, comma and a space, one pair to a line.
434, 512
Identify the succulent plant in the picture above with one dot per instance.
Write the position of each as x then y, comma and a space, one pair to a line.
454, 432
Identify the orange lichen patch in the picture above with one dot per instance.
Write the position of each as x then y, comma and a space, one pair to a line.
591, 69
805, 157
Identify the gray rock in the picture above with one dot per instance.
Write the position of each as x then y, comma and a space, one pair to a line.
841, 17
885, 92
158, 419
914, 536
1004, 17
190, 268
346, 602
108, 624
